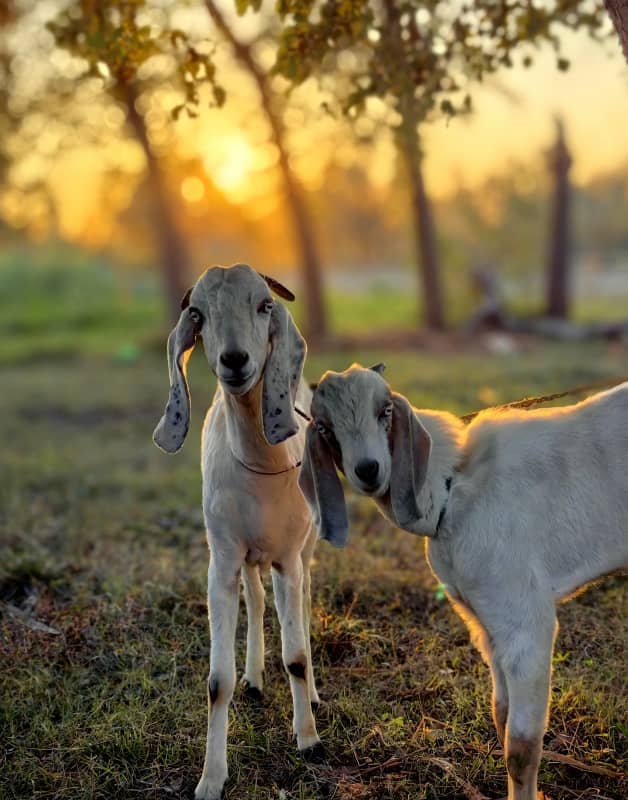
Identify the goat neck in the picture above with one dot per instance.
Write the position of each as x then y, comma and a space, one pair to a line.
246, 435
433, 500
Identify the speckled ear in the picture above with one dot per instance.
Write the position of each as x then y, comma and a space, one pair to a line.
172, 428
411, 447
321, 487
282, 373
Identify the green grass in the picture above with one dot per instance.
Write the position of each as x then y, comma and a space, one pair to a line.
102, 540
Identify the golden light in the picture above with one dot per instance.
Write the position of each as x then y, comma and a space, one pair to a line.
230, 163
192, 189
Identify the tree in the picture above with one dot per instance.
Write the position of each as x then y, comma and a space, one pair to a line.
316, 321
421, 57
116, 44
618, 10
557, 304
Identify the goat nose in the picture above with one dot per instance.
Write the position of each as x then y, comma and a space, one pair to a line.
234, 359
367, 470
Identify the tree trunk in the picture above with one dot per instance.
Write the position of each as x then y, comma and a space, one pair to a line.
618, 11
316, 317
426, 251
172, 251
559, 257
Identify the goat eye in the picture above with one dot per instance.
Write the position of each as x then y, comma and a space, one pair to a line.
265, 307
322, 429
386, 411
195, 315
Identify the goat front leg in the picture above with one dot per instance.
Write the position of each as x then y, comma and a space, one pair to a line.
222, 601
527, 670
288, 590
499, 702
254, 596
306, 558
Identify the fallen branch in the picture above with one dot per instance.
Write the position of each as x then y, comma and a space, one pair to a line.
469, 790
30, 622
570, 761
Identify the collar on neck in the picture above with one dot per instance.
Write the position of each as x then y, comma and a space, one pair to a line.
259, 472
443, 509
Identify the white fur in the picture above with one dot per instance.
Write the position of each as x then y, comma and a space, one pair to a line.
538, 508
254, 521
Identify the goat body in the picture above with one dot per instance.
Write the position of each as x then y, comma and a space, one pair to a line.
255, 515
521, 510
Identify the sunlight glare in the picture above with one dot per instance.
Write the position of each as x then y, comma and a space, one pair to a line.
230, 162
192, 189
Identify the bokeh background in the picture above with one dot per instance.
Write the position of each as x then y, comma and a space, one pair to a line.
483, 258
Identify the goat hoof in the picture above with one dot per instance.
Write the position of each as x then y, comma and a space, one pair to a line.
204, 792
316, 754
252, 693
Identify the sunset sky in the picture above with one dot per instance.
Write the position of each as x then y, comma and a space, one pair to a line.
513, 124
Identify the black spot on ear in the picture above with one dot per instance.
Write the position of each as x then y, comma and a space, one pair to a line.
213, 689
297, 669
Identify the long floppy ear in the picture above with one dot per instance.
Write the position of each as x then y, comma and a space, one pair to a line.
284, 367
172, 428
322, 489
278, 288
411, 446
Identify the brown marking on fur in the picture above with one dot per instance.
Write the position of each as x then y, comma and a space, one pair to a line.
500, 715
522, 754
276, 565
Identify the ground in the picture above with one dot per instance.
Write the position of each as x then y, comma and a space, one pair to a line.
103, 630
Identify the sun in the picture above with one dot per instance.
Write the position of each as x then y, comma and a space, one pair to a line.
230, 163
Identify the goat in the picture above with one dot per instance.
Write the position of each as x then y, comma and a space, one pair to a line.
255, 515
521, 509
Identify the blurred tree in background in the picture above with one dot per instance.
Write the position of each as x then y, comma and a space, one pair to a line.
618, 10
128, 48
419, 58
273, 107
113, 137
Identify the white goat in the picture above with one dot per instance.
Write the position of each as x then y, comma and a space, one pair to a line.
522, 509
255, 515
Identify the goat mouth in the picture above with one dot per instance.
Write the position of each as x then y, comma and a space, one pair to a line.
236, 382
371, 490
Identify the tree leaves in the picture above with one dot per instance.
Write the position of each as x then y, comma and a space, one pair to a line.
116, 41
412, 53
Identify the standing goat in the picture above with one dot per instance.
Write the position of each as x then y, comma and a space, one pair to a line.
255, 515
521, 510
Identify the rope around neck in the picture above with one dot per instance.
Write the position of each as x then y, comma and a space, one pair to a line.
528, 402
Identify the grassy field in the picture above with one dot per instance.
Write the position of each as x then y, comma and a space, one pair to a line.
103, 630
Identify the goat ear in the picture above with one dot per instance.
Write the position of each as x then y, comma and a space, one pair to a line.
172, 428
284, 367
379, 368
278, 288
185, 300
322, 489
411, 446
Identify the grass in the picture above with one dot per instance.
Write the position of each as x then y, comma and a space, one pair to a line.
103, 631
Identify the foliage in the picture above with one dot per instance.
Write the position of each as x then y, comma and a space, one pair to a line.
420, 56
117, 37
